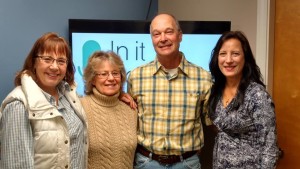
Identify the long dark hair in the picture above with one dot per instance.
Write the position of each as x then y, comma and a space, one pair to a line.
250, 73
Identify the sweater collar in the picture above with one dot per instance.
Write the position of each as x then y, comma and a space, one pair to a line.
103, 100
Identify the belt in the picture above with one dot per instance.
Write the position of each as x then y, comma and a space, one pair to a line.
165, 159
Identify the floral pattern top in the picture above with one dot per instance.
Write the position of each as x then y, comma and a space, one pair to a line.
247, 135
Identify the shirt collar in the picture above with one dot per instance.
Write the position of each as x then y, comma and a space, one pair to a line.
62, 87
182, 66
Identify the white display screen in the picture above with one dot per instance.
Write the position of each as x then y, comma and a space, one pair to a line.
135, 49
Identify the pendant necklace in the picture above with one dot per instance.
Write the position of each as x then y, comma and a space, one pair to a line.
226, 102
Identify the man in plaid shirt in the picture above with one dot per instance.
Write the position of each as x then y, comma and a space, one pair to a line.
172, 95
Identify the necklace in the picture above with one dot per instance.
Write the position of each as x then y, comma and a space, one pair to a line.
226, 102
228, 94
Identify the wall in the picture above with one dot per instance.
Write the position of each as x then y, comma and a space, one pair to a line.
241, 13
22, 22
255, 18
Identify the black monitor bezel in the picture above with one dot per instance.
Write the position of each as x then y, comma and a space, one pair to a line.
140, 26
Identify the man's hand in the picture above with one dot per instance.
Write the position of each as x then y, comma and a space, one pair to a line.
126, 98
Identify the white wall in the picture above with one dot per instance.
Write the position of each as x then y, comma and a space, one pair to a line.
253, 17
241, 13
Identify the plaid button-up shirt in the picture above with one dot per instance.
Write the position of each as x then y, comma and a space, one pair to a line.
170, 106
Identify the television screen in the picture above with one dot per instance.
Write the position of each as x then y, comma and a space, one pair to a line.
132, 41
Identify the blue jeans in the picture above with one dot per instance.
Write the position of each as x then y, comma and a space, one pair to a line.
142, 162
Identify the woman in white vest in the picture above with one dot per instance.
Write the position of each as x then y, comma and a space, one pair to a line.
43, 125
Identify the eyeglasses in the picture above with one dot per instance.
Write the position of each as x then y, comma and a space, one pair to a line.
104, 75
50, 60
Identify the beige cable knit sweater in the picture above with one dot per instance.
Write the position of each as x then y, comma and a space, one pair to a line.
112, 132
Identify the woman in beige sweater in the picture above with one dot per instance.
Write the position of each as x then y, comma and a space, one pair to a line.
112, 123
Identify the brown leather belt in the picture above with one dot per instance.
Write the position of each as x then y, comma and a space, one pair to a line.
165, 159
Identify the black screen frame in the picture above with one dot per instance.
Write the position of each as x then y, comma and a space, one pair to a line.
141, 26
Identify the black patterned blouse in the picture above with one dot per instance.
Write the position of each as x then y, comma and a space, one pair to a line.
247, 137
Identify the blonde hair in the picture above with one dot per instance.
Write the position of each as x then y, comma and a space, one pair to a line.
96, 59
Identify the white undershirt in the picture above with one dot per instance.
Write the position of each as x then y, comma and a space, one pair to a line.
172, 72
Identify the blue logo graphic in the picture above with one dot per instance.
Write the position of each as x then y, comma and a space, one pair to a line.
88, 48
